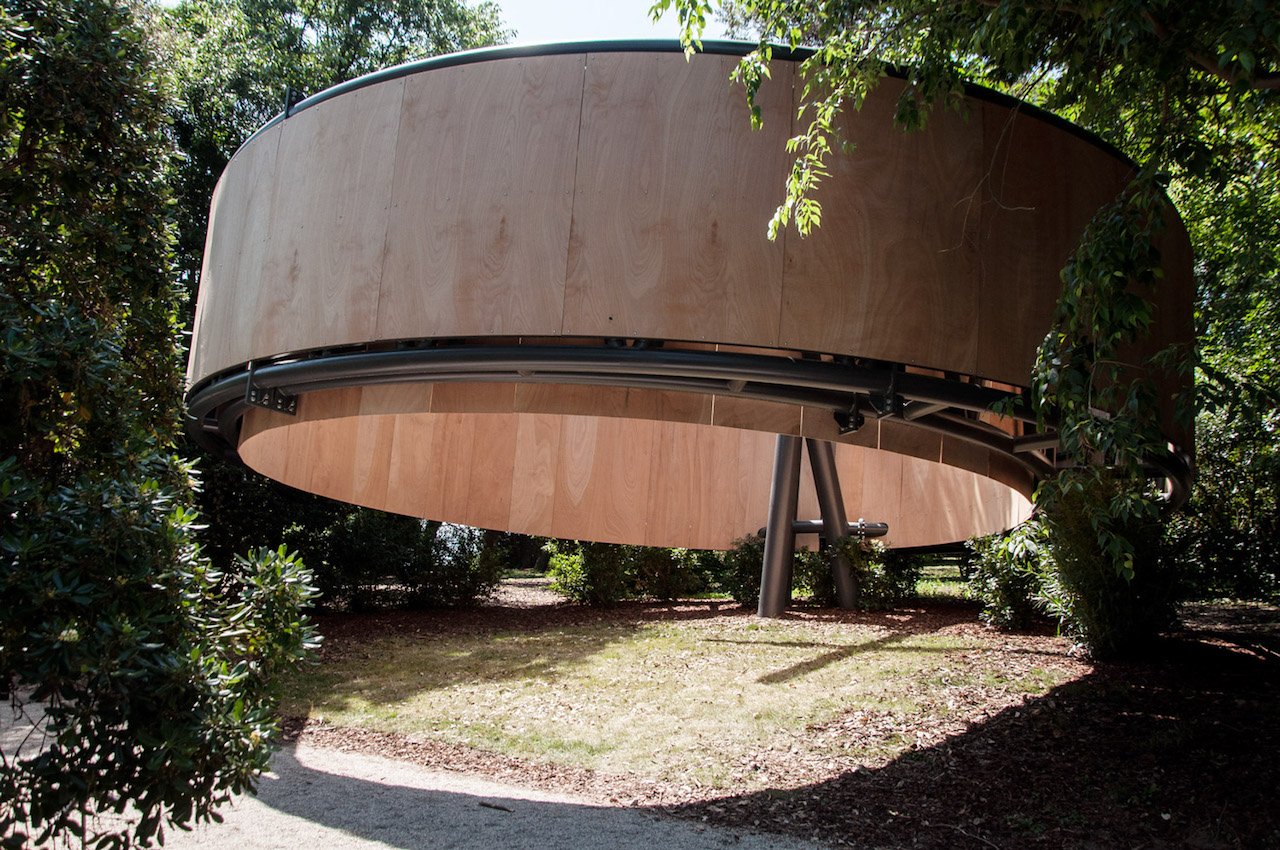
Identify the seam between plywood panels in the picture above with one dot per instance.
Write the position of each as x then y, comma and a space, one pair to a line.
573, 191
389, 208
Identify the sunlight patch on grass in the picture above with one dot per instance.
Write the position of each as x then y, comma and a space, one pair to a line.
666, 700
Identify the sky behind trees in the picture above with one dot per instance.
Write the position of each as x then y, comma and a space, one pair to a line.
537, 21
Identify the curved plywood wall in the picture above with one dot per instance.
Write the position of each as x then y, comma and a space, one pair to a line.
595, 477
580, 195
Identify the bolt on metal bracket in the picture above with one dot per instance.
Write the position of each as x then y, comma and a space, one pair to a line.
272, 398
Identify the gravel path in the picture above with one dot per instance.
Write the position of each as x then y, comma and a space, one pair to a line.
317, 797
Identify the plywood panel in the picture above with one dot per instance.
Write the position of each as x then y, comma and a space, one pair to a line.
676, 472
746, 481
965, 455
395, 398
1011, 473
329, 223
1041, 187
231, 279
623, 402
371, 458
735, 412
412, 482
489, 490
849, 470
270, 441
718, 465
882, 496
673, 194
702, 486
907, 439
931, 490
452, 458
484, 175
603, 478
479, 397
892, 272
533, 478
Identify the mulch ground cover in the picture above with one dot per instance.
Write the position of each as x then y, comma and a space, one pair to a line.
1178, 749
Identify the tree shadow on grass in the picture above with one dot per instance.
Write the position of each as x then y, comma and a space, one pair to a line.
1179, 751
388, 657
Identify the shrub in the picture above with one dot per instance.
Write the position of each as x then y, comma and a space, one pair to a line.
740, 577
369, 559
1114, 606
155, 672
893, 577
811, 574
1006, 575
592, 573
464, 566
666, 573
1225, 535
882, 578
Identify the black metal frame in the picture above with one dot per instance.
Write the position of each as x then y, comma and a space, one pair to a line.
851, 388
840, 385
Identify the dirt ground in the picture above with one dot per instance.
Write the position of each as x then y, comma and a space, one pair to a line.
1181, 749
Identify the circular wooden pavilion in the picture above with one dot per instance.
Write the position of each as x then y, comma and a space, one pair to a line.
529, 289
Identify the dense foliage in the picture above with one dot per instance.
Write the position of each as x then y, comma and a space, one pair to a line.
743, 565
884, 578
606, 573
591, 573
366, 559
1006, 576
1226, 538
1192, 93
148, 672
230, 63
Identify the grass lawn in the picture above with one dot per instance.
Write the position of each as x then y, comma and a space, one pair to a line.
942, 582
679, 694
915, 728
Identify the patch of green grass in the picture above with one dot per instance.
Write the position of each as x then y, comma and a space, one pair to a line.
523, 572
942, 589
666, 699
942, 582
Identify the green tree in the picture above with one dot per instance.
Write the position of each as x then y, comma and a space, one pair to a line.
1191, 91
148, 673
230, 62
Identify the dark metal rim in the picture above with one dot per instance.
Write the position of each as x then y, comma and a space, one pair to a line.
714, 47
853, 390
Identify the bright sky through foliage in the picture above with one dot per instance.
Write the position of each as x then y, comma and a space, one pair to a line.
537, 21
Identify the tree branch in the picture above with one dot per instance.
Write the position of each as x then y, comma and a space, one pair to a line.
1206, 63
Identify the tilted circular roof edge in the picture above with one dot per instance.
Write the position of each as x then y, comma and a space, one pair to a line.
718, 47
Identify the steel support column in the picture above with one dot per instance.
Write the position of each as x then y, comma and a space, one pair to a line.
780, 537
822, 460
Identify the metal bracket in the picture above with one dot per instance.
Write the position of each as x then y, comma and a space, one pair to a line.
849, 421
887, 403
272, 398
292, 97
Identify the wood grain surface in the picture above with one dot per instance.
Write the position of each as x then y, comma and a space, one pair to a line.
604, 478
573, 197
